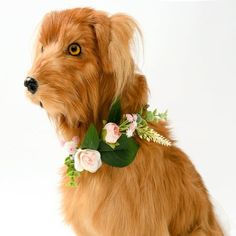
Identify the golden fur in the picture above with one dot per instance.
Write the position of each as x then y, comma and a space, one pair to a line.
160, 193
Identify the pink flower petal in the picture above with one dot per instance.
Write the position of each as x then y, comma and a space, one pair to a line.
129, 117
135, 117
62, 142
75, 139
133, 126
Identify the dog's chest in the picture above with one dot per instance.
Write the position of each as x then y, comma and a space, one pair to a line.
79, 207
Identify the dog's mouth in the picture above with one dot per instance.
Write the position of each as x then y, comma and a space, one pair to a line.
41, 104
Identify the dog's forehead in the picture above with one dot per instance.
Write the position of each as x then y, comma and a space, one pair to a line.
63, 23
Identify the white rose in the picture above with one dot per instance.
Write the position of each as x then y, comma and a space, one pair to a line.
87, 159
70, 147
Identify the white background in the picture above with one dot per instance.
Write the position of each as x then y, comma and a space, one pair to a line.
190, 64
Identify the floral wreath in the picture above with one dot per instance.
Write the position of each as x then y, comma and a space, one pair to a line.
115, 145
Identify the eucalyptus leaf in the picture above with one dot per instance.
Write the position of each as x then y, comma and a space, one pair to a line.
149, 116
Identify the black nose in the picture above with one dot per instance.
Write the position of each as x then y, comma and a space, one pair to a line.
31, 84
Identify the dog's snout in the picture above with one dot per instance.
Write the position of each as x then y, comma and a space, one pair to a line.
31, 84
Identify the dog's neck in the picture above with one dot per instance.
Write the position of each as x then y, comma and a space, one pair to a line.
133, 98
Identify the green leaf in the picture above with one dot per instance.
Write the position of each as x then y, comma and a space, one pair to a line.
115, 112
67, 161
103, 134
70, 173
72, 183
121, 155
91, 138
149, 116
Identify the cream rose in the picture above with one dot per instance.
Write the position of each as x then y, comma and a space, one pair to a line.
87, 159
112, 133
70, 147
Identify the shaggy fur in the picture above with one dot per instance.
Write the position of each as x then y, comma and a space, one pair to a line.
160, 193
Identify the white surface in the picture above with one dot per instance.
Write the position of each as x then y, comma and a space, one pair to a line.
190, 64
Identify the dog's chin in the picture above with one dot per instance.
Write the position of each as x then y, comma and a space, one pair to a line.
33, 99
53, 110
39, 101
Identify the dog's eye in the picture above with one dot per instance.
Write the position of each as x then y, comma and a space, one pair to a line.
42, 49
74, 49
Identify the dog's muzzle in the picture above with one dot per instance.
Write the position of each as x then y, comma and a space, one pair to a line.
31, 84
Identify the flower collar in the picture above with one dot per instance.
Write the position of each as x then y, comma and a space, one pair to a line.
115, 145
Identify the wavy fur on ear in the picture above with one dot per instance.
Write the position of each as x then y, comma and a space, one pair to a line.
123, 28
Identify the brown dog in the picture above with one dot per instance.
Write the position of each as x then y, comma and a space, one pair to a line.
160, 193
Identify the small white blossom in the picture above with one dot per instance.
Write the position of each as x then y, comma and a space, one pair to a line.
129, 133
70, 147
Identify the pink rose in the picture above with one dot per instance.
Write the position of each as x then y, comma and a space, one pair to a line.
87, 159
112, 133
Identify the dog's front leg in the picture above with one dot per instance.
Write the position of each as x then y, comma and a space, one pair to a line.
201, 232
198, 233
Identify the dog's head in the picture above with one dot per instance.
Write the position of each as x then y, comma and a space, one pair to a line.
82, 62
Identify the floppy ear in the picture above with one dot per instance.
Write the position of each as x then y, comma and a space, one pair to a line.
122, 31
114, 37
